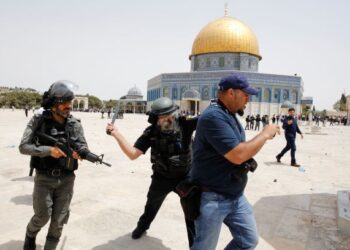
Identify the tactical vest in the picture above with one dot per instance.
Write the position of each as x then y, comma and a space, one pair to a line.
170, 157
47, 126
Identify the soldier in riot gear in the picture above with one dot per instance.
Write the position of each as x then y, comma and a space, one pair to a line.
169, 138
54, 179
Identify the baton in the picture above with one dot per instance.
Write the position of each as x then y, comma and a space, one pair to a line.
116, 111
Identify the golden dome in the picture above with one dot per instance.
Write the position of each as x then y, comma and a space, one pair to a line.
226, 34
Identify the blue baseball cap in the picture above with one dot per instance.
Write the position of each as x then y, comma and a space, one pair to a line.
237, 81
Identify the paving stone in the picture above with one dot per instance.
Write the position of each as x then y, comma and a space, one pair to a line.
286, 244
301, 202
329, 212
315, 244
107, 202
343, 212
326, 200
324, 222
294, 224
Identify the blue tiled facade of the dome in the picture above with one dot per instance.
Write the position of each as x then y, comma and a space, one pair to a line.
273, 88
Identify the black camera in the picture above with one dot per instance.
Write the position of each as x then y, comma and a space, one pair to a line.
250, 165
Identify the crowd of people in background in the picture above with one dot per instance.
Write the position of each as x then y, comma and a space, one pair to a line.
188, 113
253, 122
332, 120
120, 114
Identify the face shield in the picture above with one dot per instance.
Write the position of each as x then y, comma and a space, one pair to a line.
62, 93
167, 123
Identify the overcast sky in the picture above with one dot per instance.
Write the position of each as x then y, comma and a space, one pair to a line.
108, 46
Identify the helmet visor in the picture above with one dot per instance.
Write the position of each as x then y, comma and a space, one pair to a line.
167, 123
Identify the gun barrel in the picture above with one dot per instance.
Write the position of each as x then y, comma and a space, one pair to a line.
107, 164
89, 156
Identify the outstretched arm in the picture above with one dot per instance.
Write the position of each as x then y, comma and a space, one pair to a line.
132, 152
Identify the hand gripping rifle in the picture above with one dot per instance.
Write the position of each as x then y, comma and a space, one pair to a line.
69, 147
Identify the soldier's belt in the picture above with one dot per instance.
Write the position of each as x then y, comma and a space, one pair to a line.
54, 172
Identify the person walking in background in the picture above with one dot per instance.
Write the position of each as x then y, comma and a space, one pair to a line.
291, 128
247, 120
257, 122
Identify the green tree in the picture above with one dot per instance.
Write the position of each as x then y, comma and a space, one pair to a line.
81, 104
75, 104
306, 110
340, 105
110, 104
20, 99
2, 101
343, 102
94, 102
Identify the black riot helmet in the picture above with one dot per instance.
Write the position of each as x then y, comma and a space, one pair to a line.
59, 92
161, 106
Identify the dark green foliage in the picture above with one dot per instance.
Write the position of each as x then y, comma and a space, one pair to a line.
94, 102
20, 99
340, 105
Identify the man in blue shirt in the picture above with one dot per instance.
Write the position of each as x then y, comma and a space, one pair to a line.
291, 128
219, 156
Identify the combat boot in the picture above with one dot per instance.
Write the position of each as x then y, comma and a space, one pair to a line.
51, 243
29, 243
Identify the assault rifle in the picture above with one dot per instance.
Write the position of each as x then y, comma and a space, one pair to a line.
69, 147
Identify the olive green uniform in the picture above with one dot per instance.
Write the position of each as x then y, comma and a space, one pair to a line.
53, 184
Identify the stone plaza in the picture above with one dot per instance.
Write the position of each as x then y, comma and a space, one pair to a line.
294, 208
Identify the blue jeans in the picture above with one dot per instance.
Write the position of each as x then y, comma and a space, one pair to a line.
238, 216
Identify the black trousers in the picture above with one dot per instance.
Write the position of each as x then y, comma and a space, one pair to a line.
159, 189
290, 146
257, 126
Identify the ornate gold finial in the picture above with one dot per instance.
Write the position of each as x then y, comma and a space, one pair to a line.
226, 9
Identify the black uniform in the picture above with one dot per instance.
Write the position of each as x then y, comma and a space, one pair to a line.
171, 161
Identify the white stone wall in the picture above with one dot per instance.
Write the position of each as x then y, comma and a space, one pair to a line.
253, 108
82, 100
264, 108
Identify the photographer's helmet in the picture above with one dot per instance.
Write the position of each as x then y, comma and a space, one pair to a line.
59, 92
